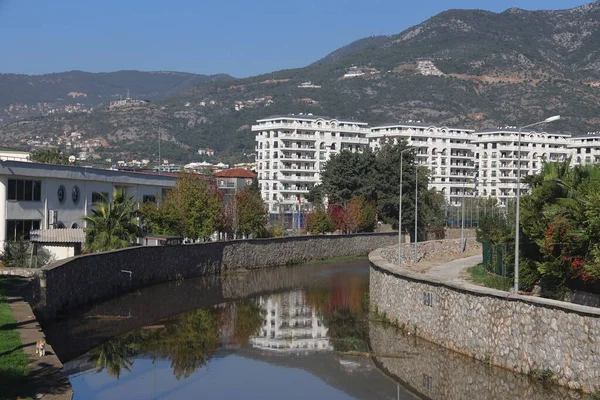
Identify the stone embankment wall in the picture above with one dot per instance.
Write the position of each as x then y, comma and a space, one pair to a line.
429, 249
84, 279
521, 333
441, 374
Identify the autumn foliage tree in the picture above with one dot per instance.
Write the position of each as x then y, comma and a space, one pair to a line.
319, 222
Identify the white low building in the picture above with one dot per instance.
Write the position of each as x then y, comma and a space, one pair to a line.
292, 150
43, 196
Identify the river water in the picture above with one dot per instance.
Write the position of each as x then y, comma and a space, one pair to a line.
290, 332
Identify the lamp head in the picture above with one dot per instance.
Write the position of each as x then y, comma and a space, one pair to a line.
552, 119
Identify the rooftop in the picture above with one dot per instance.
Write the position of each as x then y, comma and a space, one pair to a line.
309, 117
58, 235
418, 124
514, 129
21, 168
235, 173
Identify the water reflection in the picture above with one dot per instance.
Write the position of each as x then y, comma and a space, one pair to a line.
290, 324
313, 341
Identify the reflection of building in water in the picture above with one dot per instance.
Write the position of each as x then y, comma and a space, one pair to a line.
290, 325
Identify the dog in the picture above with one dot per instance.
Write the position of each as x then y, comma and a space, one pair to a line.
40, 347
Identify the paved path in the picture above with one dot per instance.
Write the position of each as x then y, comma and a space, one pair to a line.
45, 375
453, 270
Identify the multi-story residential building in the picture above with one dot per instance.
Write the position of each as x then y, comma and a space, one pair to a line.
585, 149
291, 151
497, 155
290, 325
447, 152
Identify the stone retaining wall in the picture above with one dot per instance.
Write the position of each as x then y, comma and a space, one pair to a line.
429, 248
26, 272
441, 374
84, 279
520, 333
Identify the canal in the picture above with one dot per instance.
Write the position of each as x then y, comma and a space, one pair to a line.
290, 332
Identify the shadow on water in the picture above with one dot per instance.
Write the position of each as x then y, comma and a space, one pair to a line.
308, 324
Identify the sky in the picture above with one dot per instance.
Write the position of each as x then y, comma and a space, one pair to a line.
238, 37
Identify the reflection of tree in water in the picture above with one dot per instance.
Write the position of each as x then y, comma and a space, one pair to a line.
344, 311
113, 356
188, 340
248, 320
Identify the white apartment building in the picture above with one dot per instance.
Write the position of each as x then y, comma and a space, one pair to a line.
497, 155
447, 152
585, 149
291, 151
290, 325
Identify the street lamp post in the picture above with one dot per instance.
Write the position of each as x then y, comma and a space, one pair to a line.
518, 215
416, 207
400, 211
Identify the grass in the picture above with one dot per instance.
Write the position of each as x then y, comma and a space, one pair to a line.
479, 274
14, 364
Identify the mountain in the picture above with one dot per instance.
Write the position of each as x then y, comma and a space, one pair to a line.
353, 47
469, 68
24, 96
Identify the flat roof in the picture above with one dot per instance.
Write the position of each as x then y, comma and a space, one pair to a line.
524, 131
308, 117
420, 125
40, 170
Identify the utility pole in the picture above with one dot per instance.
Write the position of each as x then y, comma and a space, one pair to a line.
159, 157
416, 207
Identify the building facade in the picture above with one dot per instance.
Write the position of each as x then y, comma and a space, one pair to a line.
42, 196
585, 149
497, 152
447, 152
291, 151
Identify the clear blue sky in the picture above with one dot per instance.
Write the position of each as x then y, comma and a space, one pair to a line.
239, 37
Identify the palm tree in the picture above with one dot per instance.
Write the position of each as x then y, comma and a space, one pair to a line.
113, 355
112, 225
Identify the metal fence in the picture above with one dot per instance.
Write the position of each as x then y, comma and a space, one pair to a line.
496, 258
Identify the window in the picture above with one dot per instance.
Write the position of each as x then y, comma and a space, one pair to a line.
20, 228
24, 190
148, 198
98, 197
61, 194
75, 194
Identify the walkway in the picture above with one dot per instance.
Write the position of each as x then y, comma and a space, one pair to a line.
453, 270
45, 374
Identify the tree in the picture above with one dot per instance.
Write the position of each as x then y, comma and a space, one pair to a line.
375, 176
19, 254
191, 209
561, 226
362, 215
319, 222
113, 224
50, 156
251, 213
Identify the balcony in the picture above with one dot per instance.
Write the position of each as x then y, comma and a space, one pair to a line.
294, 178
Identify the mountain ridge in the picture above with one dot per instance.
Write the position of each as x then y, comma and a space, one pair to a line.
471, 68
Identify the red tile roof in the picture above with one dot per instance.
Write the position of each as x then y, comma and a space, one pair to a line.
235, 173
